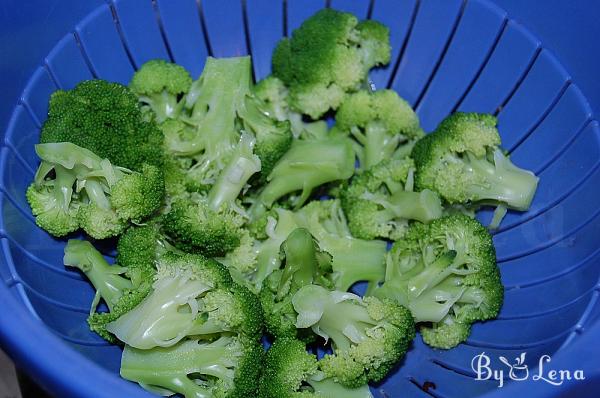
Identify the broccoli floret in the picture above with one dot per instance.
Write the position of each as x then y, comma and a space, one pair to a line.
462, 161
307, 165
160, 87
74, 188
304, 264
291, 372
273, 137
368, 336
445, 272
274, 95
381, 122
106, 119
193, 226
191, 296
379, 202
328, 55
226, 367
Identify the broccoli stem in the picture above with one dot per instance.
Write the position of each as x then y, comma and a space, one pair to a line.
433, 305
307, 165
422, 206
170, 368
164, 105
63, 188
96, 194
236, 174
345, 323
378, 144
432, 274
504, 182
300, 260
328, 388
107, 279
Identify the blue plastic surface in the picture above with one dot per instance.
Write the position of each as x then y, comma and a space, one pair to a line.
447, 55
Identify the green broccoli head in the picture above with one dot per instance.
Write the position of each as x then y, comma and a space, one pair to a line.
380, 202
291, 372
381, 122
74, 188
160, 86
193, 226
106, 119
191, 296
445, 272
328, 55
224, 367
368, 336
462, 161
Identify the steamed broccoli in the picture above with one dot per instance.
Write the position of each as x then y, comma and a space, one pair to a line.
307, 165
304, 264
74, 188
191, 296
227, 367
462, 161
120, 291
160, 87
445, 272
106, 119
328, 55
275, 96
368, 336
384, 125
379, 202
291, 372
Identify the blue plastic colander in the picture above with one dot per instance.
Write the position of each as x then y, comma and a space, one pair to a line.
447, 55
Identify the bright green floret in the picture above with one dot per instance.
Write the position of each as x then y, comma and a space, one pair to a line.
303, 265
226, 367
106, 119
462, 161
193, 226
368, 336
291, 372
160, 87
74, 188
329, 55
380, 202
191, 296
384, 125
445, 272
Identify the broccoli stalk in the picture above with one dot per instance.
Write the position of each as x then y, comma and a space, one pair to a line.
290, 372
368, 336
445, 272
308, 164
107, 280
227, 366
160, 86
461, 160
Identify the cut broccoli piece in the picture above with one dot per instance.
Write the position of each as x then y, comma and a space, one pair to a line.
368, 336
445, 272
291, 372
462, 161
328, 55
160, 87
227, 367
106, 119
380, 202
381, 122
304, 264
307, 165
74, 188
191, 296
